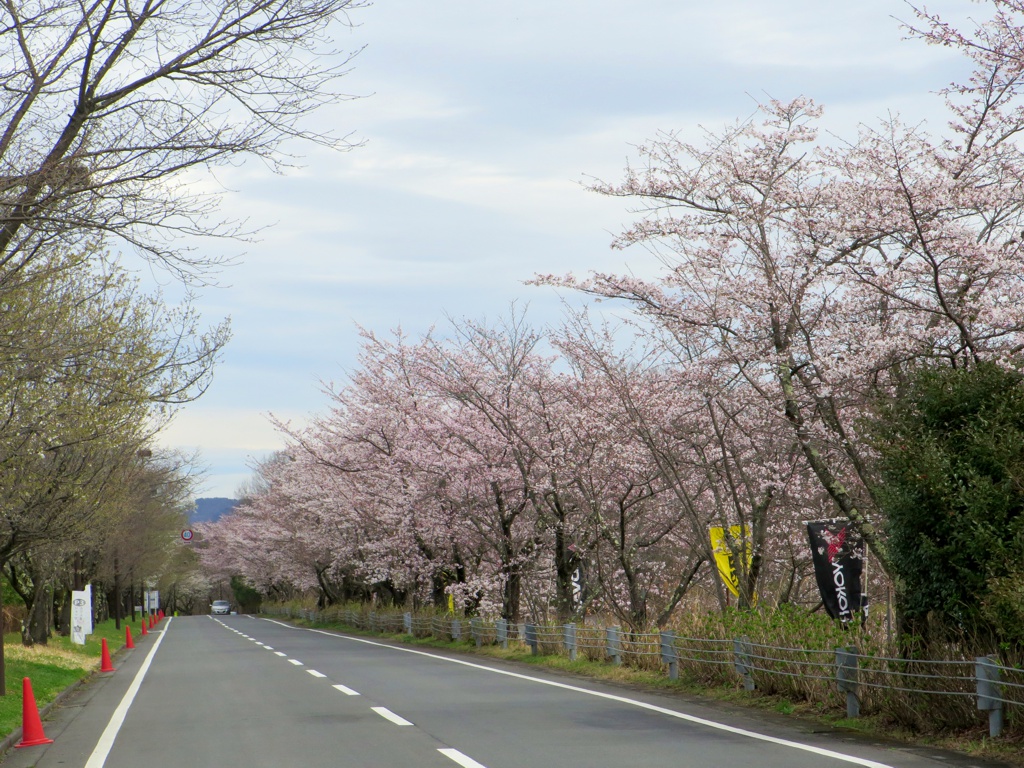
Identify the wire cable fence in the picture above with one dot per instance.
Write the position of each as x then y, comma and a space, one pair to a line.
926, 694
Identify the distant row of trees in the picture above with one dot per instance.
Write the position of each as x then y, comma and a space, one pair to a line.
814, 292
108, 111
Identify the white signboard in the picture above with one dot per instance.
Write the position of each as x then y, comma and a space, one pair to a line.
88, 614
152, 601
81, 615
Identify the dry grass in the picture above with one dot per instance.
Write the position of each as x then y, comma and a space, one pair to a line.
50, 655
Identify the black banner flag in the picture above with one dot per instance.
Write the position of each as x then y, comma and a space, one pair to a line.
578, 580
838, 555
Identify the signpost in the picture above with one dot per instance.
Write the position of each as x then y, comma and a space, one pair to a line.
81, 614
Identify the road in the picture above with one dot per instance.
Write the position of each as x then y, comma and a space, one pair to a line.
237, 691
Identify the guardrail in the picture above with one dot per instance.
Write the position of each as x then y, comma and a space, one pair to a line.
837, 677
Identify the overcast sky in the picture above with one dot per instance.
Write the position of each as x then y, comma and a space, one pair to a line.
481, 124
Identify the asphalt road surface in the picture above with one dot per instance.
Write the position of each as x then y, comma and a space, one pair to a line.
241, 692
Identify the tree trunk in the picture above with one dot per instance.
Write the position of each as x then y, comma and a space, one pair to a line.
3, 659
37, 623
64, 624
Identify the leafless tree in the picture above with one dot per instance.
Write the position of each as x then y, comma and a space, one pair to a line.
107, 105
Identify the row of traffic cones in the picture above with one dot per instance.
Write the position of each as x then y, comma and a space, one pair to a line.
31, 724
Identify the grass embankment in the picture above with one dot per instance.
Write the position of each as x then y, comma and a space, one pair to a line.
54, 666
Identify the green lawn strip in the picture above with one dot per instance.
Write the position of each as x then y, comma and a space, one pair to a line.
54, 667
48, 680
93, 643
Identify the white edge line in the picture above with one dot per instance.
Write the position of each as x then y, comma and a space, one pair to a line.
99, 755
345, 689
461, 759
314, 673
612, 697
387, 714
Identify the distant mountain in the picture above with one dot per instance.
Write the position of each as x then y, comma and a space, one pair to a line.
210, 510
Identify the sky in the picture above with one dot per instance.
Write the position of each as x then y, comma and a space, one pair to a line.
480, 125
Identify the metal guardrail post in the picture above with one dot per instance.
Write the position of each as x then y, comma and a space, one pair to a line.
501, 632
990, 698
407, 623
848, 678
669, 655
569, 640
530, 633
475, 633
613, 645
741, 652
456, 630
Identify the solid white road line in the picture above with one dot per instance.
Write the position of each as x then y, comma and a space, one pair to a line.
296, 662
387, 714
345, 689
314, 673
461, 759
102, 750
853, 759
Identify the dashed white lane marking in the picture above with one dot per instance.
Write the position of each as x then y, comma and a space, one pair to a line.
387, 714
314, 673
345, 689
278, 653
268, 647
296, 662
461, 759
846, 758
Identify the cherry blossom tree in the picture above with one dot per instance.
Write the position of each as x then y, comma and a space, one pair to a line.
814, 273
714, 454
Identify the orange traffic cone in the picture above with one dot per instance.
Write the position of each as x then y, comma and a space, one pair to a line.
160, 613
128, 643
31, 726
144, 631
105, 665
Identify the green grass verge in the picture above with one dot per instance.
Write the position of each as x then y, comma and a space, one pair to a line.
53, 667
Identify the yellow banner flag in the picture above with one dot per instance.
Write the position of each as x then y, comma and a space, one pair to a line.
724, 557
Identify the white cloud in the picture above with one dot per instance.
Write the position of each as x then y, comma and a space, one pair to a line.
220, 429
484, 117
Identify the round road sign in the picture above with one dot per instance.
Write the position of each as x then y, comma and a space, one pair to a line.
187, 534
